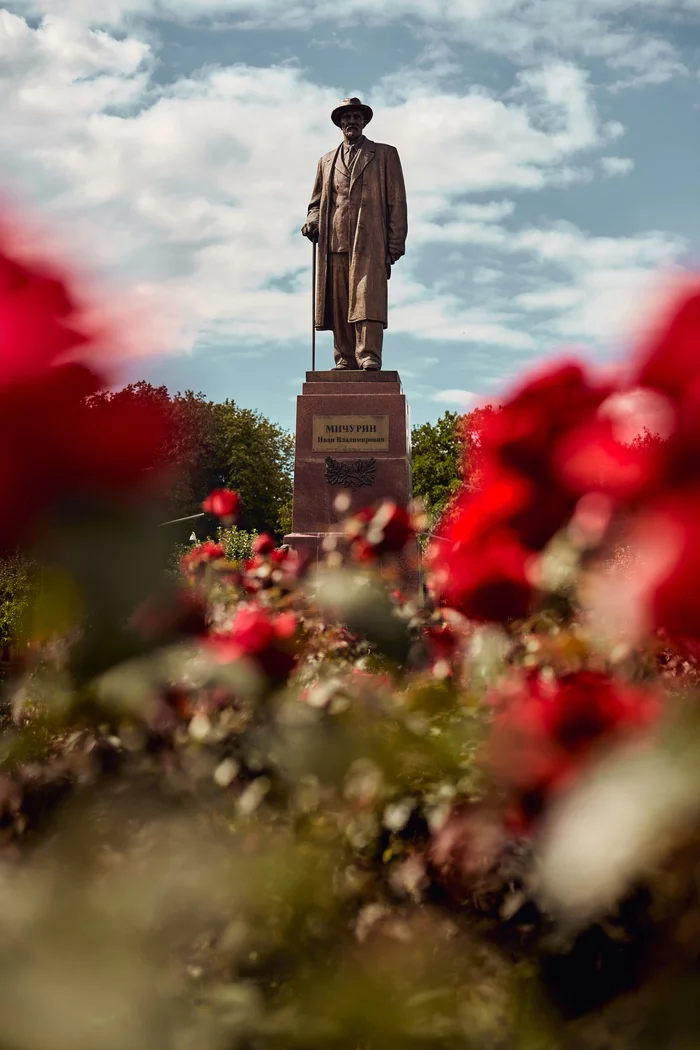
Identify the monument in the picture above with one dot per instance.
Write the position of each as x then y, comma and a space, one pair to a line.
352, 432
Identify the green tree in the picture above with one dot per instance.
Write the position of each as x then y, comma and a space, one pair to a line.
436, 461
19, 584
255, 458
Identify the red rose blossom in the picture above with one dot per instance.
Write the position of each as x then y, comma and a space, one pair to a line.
223, 503
40, 319
545, 729
477, 563
261, 636
524, 435
201, 556
373, 532
670, 360
263, 544
59, 441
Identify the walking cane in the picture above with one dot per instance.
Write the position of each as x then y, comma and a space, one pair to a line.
313, 306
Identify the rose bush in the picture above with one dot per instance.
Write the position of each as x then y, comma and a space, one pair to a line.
274, 804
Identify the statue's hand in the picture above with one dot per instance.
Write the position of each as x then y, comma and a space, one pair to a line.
310, 230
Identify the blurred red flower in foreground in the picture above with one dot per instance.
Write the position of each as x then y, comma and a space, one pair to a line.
545, 729
56, 443
263, 544
40, 321
261, 636
199, 557
660, 481
486, 579
466, 849
482, 561
272, 566
223, 503
375, 531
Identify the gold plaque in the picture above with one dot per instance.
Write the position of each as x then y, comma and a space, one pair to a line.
351, 434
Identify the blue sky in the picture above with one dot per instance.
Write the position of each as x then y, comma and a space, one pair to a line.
550, 149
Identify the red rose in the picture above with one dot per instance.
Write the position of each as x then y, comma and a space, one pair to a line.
258, 635
200, 556
524, 435
544, 730
263, 545
477, 563
373, 532
670, 360
666, 538
223, 503
487, 582
56, 445
58, 439
593, 459
39, 319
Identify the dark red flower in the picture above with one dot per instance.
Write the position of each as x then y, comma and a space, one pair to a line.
201, 556
59, 441
546, 729
670, 359
477, 563
55, 445
223, 503
443, 642
524, 435
39, 319
666, 537
263, 544
374, 532
487, 582
259, 635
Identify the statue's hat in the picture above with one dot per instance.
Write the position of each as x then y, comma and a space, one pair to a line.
351, 103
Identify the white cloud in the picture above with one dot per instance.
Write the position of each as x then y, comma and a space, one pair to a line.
523, 30
195, 191
486, 275
617, 165
461, 398
552, 299
494, 211
199, 194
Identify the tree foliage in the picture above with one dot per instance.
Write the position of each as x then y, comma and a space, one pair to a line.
436, 461
254, 457
19, 582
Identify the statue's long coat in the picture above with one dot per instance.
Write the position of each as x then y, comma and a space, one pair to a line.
378, 226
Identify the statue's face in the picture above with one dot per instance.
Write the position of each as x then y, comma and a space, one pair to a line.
352, 122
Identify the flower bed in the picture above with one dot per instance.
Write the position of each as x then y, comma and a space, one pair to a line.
262, 806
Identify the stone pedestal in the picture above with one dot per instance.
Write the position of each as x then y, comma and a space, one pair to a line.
353, 436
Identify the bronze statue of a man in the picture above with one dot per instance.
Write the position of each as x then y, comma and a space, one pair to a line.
358, 216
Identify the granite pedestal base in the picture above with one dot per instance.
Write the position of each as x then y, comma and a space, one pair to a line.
352, 437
